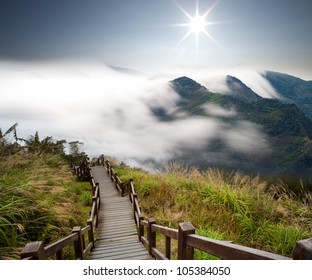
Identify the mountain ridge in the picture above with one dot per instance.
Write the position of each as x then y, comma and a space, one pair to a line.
287, 130
293, 89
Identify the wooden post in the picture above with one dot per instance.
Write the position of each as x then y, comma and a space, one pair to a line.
92, 185
168, 247
107, 166
303, 250
130, 182
111, 173
185, 252
59, 255
151, 236
91, 233
96, 213
34, 250
141, 228
97, 185
123, 188
78, 244
135, 197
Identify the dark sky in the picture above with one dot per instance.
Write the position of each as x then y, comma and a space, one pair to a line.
274, 34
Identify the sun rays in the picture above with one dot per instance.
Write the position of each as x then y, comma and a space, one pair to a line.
198, 23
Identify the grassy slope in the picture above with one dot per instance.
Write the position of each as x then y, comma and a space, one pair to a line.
40, 199
236, 207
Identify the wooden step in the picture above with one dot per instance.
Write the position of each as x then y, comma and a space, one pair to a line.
116, 237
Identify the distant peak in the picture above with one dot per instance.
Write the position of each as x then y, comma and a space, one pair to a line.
125, 70
188, 88
187, 82
239, 90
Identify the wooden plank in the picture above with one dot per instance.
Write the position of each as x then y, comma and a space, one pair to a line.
121, 256
103, 225
125, 256
104, 228
123, 227
229, 251
303, 250
101, 242
128, 246
116, 233
117, 226
113, 229
113, 220
169, 232
117, 238
117, 251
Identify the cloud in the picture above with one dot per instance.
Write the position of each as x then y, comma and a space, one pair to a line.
217, 111
214, 79
109, 111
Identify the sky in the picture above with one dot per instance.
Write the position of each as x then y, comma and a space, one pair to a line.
56, 76
145, 34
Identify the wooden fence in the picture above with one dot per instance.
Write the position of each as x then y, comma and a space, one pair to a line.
185, 235
187, 239
82, 245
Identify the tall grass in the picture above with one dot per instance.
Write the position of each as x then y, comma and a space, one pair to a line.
40, 199
14, 208
232, 206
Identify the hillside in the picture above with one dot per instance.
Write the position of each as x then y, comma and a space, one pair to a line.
225, 206
40, 199
281, 133
239, 90
293, 89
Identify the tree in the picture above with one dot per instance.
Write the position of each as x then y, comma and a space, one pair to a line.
5, 146
75, 155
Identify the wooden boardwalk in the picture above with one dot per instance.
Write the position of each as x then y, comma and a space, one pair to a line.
117, 237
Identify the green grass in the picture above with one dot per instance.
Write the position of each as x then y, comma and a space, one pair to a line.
40, 199
235, 207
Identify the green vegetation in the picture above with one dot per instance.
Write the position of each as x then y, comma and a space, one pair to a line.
235, 207
40, 198
293, 89
286, 131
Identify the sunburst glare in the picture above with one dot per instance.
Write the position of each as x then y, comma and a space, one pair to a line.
197, 24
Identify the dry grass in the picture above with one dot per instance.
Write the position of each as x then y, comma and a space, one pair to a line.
237, 207
50, 198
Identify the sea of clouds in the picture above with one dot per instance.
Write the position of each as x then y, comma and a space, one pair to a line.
110, 111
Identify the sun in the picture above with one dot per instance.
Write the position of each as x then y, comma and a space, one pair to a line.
198, 23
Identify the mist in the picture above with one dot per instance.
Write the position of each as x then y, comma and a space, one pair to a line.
110, 111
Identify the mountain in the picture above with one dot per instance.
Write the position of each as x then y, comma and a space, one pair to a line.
287, 132
124, 70
239, 90
293, 89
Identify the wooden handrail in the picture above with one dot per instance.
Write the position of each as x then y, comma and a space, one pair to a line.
59, 245
229, 251
83, 170
188, 240
147, 229
36, 250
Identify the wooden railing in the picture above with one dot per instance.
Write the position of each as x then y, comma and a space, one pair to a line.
82, 171
37, 250
187, 239
120, 186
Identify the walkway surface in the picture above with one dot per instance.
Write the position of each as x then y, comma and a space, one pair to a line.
117, 237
